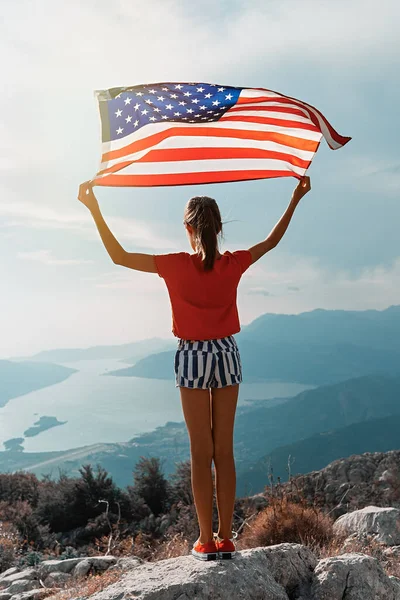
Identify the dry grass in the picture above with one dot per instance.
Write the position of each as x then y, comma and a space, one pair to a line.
9, 545
286, 521
85, 587
174, 546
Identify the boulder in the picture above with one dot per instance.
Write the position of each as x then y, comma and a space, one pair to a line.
277, 572
353, 577
82, 568
127, 563
30, 595
10, 571
5, 596
396, 586
382, 523
102, 563
61, 566
291, 565
57, 579
6, 581
22, 585
189, 579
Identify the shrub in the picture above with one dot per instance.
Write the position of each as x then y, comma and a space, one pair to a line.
19, 487
288, 517
9, 546
181, 484
286, 521
150, 484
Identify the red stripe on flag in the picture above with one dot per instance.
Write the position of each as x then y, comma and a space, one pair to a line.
183, 154
188, 178
156, 138
340, 139
242, 100
283, 109
269, 121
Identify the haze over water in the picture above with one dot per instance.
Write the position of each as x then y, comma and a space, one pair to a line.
102, 409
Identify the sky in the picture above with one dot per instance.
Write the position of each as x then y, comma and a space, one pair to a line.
59, 288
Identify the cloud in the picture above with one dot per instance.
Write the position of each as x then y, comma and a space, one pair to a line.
27, 215
123, 278
45, 257
259, 292
376, 173
333, 289
307, 32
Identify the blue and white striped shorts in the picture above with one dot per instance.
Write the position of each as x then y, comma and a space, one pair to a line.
208, 364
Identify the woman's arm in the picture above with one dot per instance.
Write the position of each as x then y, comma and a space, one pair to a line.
276, 234
132, 260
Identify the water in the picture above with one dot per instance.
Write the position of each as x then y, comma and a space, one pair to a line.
107, 409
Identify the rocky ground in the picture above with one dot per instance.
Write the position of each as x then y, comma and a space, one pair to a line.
280, 572
354, 482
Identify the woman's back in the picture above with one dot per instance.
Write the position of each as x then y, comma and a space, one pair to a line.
203, 302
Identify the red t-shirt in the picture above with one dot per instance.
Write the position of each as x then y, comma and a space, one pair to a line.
203, 302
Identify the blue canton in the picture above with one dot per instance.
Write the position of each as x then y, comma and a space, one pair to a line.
132, 108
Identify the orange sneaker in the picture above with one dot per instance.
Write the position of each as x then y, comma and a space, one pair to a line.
206, 551
225, 547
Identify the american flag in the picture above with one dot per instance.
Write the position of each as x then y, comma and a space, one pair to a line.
191, 133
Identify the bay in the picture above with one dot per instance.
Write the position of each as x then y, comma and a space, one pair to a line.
109, 409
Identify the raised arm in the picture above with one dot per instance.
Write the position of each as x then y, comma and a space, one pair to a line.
278, 231
132, 260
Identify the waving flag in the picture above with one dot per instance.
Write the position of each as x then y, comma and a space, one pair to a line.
189, 133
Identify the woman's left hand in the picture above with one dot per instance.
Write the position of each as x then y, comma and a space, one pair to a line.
86, 195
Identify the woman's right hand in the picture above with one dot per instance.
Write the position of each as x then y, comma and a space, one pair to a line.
86, 195
301, 189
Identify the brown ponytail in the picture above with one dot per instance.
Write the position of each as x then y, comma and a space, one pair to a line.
203, 215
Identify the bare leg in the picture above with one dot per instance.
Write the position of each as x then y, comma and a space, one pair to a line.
197, 412
224, 402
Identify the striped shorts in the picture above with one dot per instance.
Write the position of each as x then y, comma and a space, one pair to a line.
208, 364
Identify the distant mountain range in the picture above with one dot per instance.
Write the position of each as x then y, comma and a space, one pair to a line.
353, 356
379, 329
317, 451
315, 348
18, 378
315, 427
129, 353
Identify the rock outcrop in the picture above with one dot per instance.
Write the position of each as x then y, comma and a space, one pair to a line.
383, 524
33, 583
351, 483
281, 572
353, 577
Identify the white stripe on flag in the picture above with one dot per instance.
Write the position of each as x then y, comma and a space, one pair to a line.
195, 142
155, 128
197, 166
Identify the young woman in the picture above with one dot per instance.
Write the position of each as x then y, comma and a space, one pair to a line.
202, 289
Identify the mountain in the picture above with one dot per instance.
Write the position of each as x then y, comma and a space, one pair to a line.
315, 452
155, 366
315, 348
379, 329
310, 364
18, 378
259, 431
129, 353
319, 410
